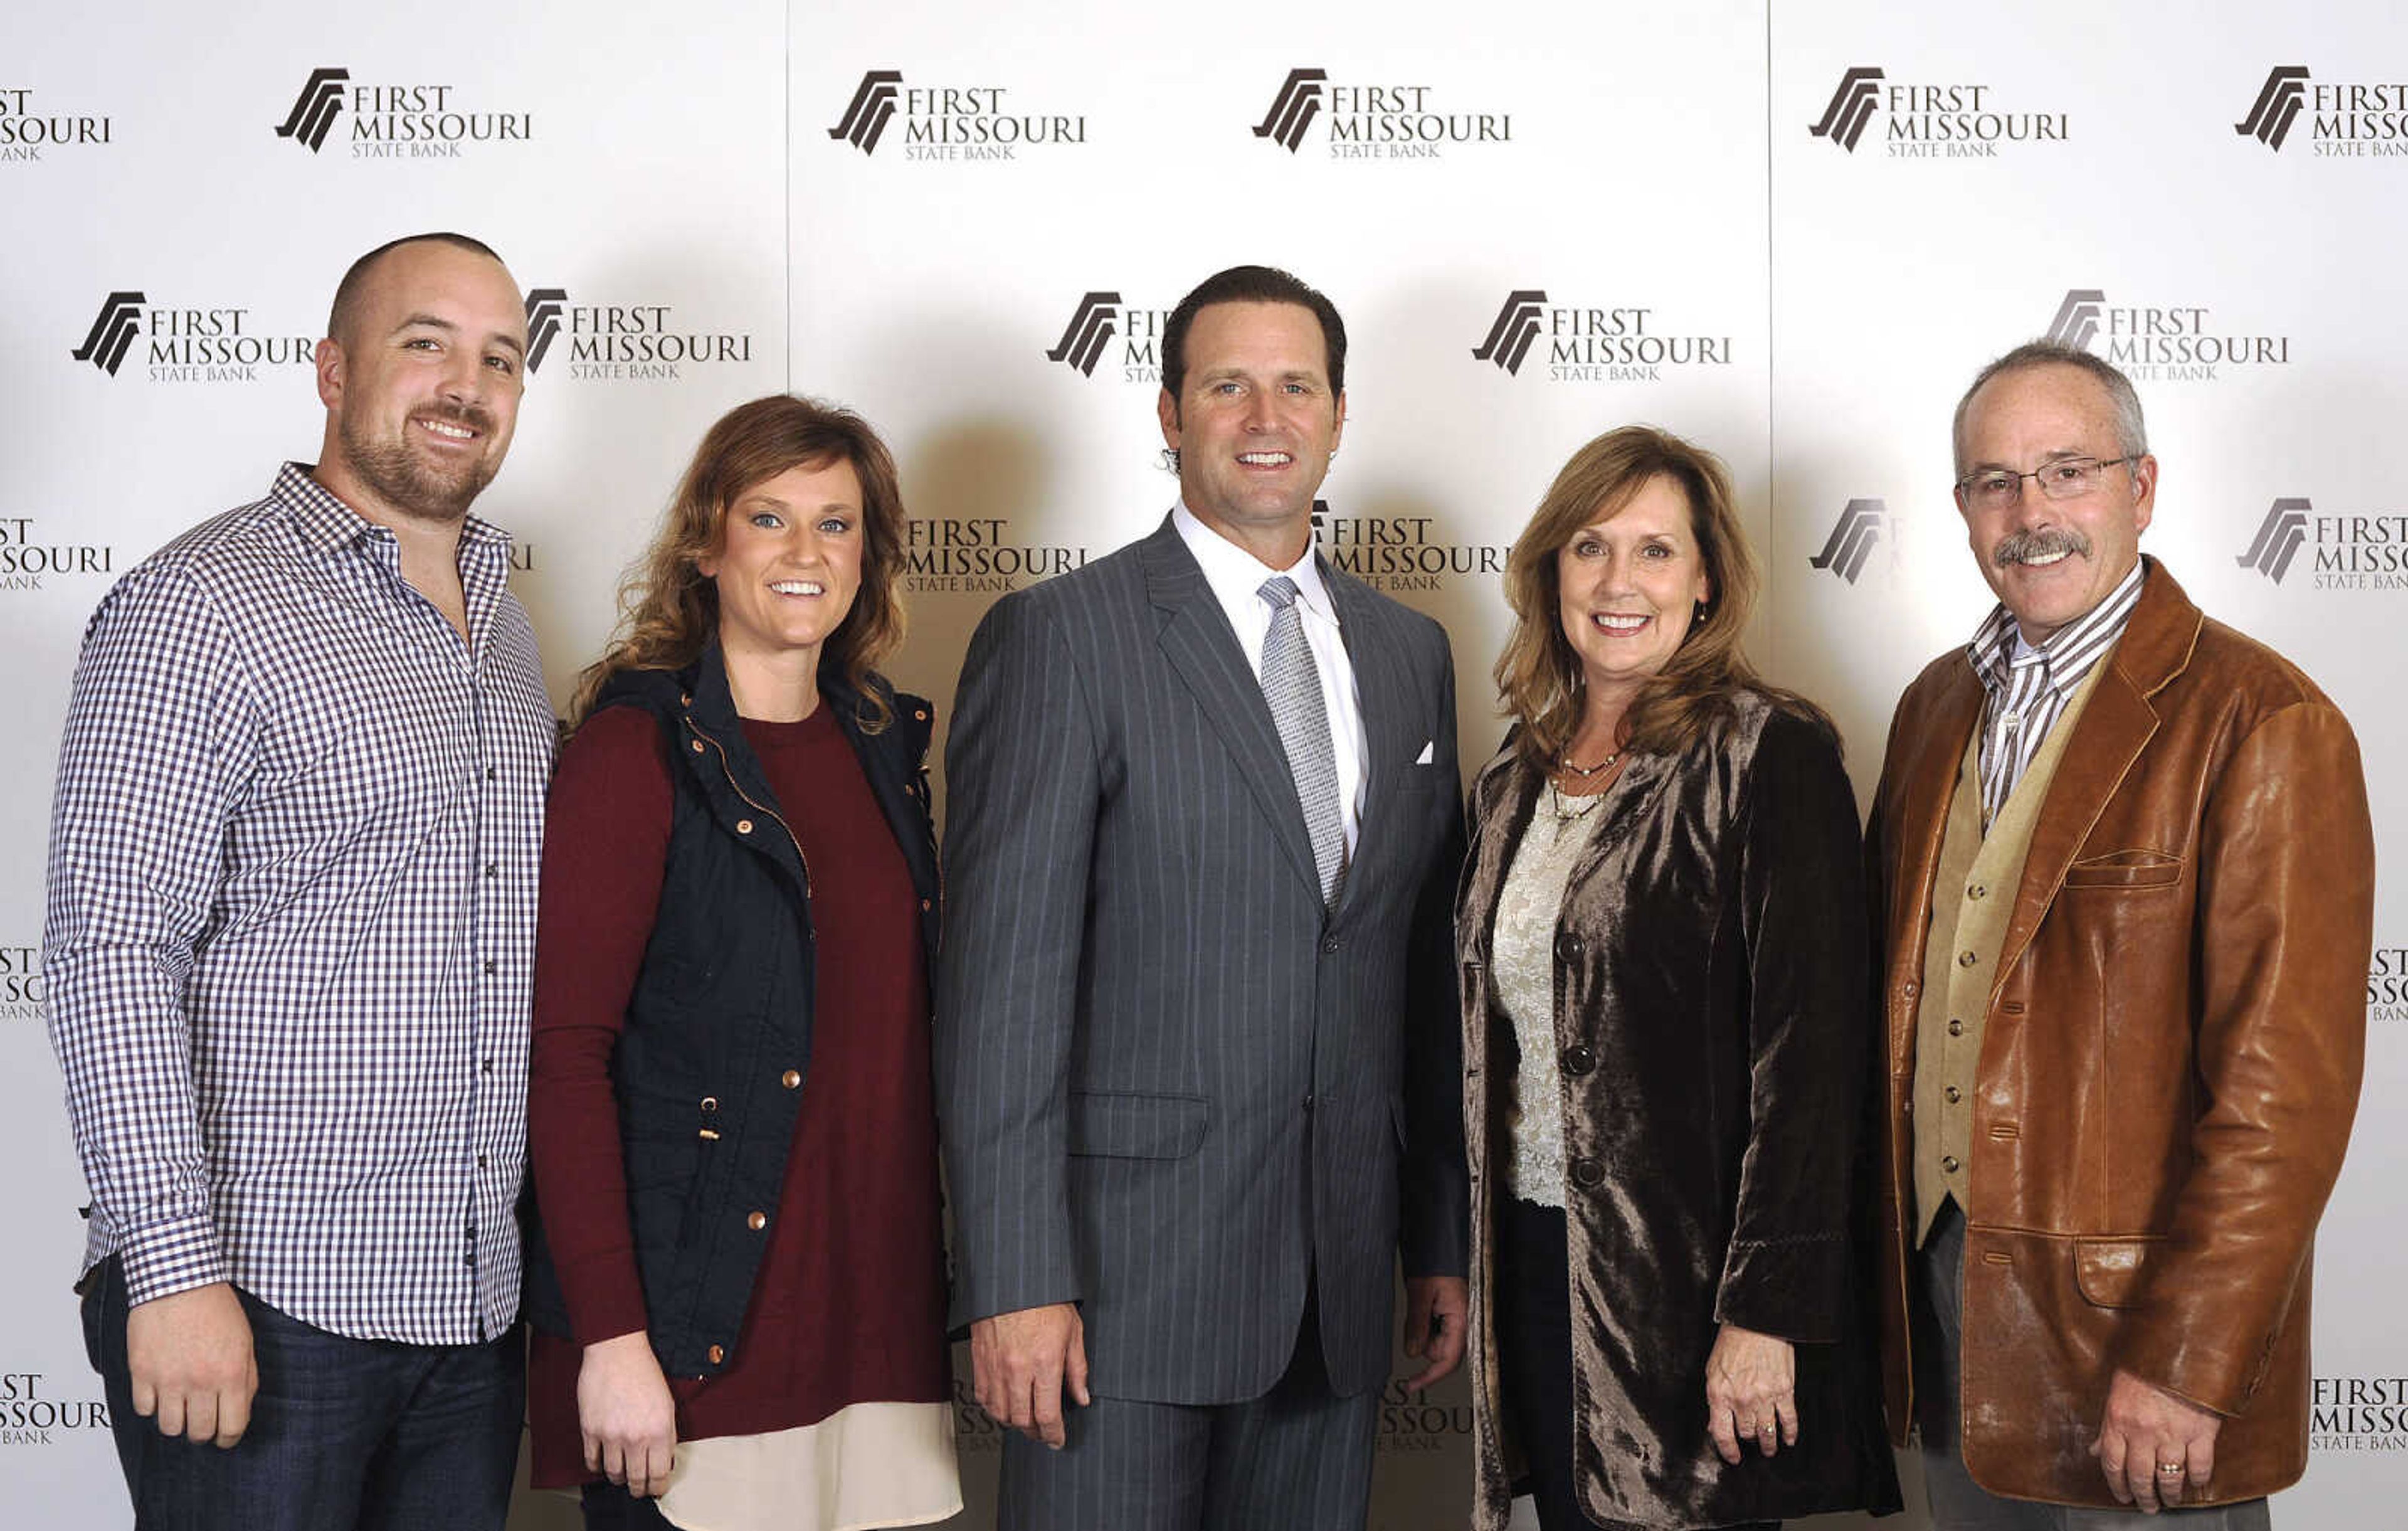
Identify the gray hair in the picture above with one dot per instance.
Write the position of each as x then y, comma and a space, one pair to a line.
2131, 432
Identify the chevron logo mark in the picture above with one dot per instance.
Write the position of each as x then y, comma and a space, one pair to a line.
544, 307
1851, 107
315, 108
113, 331
873, 108
2278, 540
1090, 329
1853, 539
2076, 323
1297, 103
2277, 107
1517, 325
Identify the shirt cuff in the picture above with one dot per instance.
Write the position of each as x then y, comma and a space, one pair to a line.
605, 1294
170, 1257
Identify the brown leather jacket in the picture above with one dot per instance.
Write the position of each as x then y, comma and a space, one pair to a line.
2172, 1059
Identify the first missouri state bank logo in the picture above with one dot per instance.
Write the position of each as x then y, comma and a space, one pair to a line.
1864, 524
622, 342
315, 108
1625, 344
1517, 325
2278, 540
1382, 122
1957, 119
394, 121
2348, 551
112, 333
27, 129
2347, 120
2162, 342
1294, 109
1090, 329
1852, 107
185, 344
948, 122
1103, 325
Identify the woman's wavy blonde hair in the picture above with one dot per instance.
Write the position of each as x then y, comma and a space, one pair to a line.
1539, 678
668, 610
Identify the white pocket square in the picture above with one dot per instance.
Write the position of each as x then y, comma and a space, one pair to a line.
1427, 754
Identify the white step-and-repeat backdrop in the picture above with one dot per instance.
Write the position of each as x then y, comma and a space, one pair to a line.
1789, 231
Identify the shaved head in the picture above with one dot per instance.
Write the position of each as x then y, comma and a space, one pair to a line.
345, 313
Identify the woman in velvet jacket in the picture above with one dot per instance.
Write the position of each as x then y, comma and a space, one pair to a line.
1663, 962
737, 1285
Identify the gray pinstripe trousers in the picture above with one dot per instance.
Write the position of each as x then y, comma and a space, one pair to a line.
1298, 1458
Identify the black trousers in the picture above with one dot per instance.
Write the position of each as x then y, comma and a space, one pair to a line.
1534, 1357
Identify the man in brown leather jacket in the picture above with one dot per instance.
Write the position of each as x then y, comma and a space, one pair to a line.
2125, 874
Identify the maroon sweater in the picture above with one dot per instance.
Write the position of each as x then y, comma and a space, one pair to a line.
849, 1305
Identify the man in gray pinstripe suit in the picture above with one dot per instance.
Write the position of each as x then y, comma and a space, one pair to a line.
1196, 1051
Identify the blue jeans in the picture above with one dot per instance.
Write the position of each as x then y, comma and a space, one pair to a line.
344, 1433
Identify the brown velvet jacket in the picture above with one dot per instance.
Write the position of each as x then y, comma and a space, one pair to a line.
1714, 1066
2172, 1059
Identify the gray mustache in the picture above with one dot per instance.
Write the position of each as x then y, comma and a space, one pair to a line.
2023, 546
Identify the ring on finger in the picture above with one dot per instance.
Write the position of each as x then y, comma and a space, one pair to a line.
2169, 1469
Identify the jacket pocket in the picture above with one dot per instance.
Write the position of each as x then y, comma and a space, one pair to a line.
2126, 870
2111, 1272
1121, 1125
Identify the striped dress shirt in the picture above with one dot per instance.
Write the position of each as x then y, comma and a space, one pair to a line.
291, 932
2029, 687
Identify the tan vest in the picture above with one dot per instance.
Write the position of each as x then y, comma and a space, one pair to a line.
1973, 895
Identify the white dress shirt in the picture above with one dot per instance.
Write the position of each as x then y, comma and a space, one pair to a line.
1236, 578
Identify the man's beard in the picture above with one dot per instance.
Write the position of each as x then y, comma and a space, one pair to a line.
406, 480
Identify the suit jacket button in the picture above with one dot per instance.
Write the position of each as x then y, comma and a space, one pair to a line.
716, 1353
1329, 946
756, 1220
1568, 947
1587, 1172
744, 826
1580, 1060
791, 1078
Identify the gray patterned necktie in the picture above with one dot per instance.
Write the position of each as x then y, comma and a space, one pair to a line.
1292, 686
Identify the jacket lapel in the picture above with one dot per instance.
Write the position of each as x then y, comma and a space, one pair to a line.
1928, 785
1385, 696
2114, 726
1203, 652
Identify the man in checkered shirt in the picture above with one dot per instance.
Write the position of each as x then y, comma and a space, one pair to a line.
290, 946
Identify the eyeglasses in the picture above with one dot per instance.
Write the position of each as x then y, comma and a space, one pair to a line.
2065, 479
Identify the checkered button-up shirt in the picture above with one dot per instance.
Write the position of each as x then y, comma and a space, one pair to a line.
2029, 688
291, 935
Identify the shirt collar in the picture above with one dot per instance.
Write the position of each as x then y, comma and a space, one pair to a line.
1237, 576
326, 521
1999, 649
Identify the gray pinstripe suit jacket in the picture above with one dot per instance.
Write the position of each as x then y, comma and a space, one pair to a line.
1168, 1087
